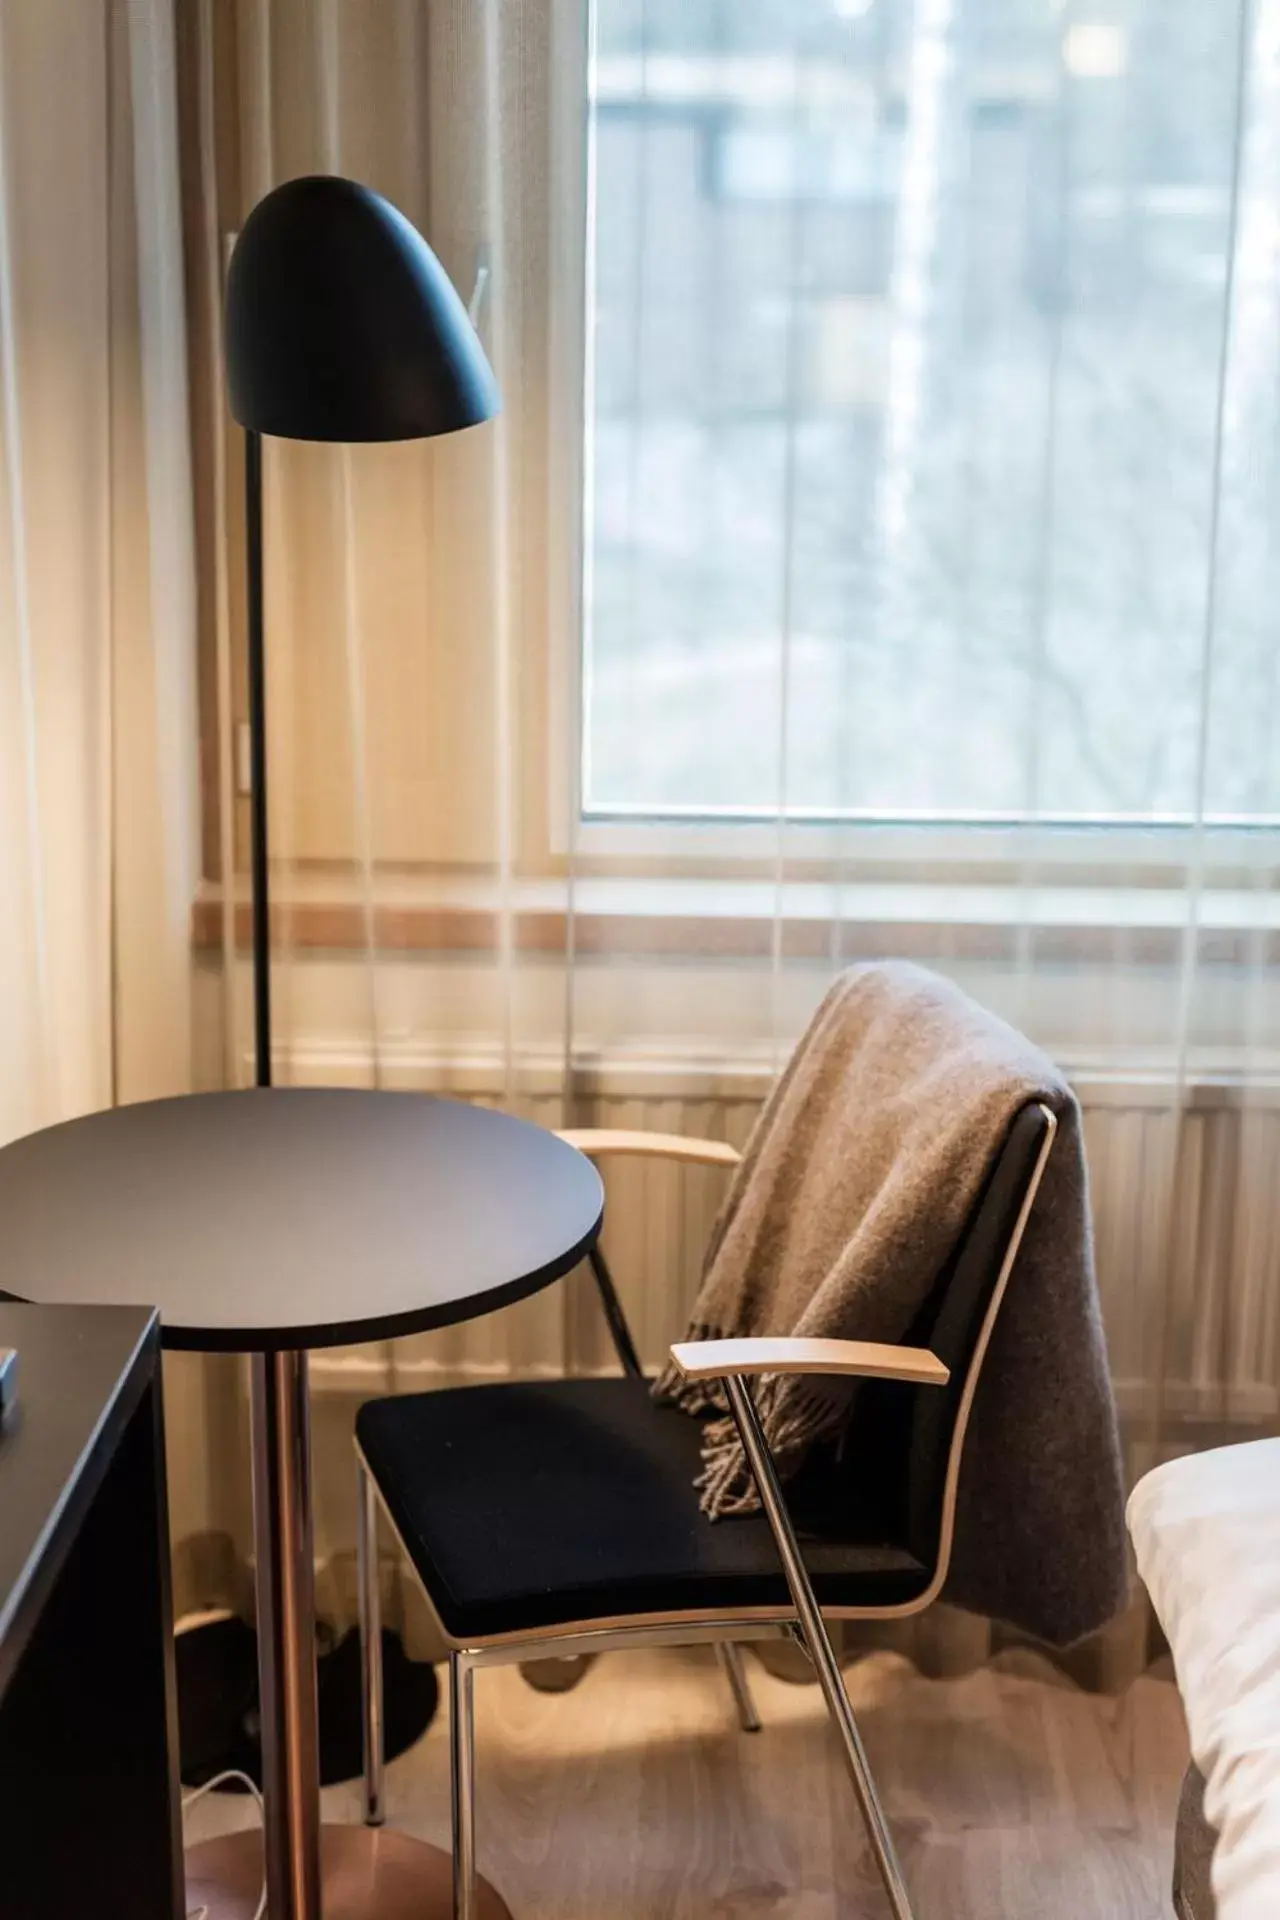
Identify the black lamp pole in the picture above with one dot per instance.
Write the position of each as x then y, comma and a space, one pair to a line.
341, 325
258, 852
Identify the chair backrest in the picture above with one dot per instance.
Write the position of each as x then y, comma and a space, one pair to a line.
952, 1321
913, 1435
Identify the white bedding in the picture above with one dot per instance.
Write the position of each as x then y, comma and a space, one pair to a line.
1206, 1530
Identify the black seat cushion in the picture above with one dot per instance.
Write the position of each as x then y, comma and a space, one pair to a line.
547, 1504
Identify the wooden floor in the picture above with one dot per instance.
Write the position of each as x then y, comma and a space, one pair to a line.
1010, 1792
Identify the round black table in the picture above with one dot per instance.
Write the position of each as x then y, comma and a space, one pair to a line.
268, 1222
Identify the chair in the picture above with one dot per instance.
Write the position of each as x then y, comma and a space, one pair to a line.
588, 1485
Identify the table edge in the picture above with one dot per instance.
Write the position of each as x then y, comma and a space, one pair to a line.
361, 1331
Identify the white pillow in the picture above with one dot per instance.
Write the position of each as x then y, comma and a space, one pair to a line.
1206, 1530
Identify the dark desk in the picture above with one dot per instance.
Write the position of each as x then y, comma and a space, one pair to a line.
89, 1808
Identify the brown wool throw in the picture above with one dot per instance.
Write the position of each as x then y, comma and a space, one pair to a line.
854, 1190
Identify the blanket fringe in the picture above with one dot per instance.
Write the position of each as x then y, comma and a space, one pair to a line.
794, 1412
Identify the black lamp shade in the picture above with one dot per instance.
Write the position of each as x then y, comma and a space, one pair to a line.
341, 323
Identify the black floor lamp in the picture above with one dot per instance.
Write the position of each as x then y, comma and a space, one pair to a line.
341, 325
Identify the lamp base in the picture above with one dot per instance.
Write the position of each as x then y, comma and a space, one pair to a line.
367, 1873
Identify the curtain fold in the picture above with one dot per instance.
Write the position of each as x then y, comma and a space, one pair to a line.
99, 776
405, 633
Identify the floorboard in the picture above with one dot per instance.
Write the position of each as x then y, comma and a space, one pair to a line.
1011, 1793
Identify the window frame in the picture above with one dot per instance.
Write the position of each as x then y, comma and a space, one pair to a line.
932, 850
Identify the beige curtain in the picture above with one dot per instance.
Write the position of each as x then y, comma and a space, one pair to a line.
97, 603
99, 792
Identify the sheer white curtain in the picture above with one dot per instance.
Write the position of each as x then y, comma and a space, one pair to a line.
406, 639
932, 519
875, 555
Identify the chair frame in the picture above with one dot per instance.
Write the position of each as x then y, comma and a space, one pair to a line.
732, 1362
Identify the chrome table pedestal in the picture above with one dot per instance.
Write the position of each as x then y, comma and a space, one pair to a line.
340, 1872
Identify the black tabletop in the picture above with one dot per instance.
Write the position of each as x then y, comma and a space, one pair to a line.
78, 1382
294, 1217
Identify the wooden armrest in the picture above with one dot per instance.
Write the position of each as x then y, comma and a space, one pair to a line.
712, 1359
597, 1142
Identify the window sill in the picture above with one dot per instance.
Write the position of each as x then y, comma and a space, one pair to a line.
735, 919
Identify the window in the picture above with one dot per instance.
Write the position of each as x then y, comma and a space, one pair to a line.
931, 445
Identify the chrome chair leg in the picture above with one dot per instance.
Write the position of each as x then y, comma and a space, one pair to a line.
371, 1697
730, 1657
462, 1755
818, 1642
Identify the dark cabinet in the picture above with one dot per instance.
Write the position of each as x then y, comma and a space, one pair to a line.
89, 1802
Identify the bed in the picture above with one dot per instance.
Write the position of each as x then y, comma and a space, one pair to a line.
1206, 1532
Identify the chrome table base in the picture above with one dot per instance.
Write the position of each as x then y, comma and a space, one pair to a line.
312, 1872
367, 1873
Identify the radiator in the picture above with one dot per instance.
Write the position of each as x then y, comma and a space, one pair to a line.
1187, 1230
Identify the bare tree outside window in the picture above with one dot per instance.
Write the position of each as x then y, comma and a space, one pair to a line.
934, 409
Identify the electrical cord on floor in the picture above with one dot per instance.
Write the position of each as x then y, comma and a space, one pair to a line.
250, 1786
